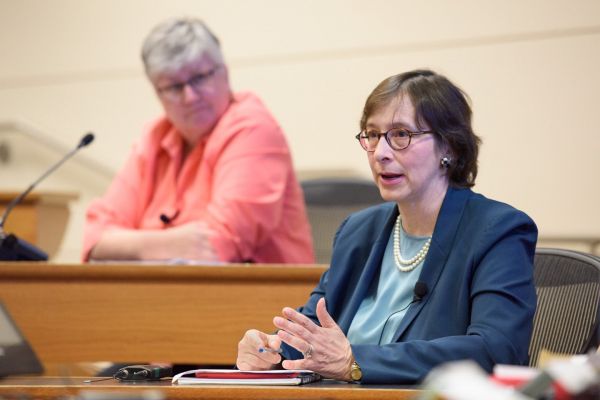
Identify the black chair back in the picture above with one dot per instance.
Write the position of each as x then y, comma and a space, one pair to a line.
568, 288
329, 201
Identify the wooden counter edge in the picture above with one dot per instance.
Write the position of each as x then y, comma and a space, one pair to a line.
141, 272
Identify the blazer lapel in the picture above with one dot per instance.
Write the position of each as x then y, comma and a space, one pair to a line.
370, 271
441, 243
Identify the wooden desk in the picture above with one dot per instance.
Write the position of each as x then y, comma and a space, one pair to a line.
41, 218
53, 387
135, 313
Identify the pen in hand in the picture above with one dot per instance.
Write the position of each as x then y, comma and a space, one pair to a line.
269, 350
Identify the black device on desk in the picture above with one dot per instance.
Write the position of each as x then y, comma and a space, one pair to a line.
16, 355
141, 372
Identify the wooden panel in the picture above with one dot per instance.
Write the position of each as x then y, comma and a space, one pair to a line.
40, 219
23, 222
181, 314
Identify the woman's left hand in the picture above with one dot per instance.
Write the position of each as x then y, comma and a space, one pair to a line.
326, 349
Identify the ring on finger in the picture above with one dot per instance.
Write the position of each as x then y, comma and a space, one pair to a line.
308, 353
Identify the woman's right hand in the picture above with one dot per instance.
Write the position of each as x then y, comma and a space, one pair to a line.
190, 241
250, 357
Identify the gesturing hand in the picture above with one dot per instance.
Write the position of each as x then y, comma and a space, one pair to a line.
326, 349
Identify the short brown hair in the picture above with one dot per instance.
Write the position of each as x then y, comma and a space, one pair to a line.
444, 108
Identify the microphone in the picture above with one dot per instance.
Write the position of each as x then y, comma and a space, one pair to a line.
420, 291
166, 219
15, 249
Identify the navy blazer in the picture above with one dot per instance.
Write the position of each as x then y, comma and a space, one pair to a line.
480, 300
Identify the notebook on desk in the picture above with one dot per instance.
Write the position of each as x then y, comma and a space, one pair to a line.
16, 355
237, 377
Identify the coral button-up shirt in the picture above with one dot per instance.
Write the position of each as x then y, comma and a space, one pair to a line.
239, 180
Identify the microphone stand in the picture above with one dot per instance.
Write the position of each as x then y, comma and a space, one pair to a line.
11, 247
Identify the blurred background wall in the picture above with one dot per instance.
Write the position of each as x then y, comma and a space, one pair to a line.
531, 68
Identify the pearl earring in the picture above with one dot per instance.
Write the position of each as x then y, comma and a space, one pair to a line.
445, 162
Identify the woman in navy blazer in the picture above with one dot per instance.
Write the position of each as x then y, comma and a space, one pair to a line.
438, 274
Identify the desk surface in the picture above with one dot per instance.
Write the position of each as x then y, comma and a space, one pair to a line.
53, 387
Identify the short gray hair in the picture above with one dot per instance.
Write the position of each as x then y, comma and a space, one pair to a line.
176, 42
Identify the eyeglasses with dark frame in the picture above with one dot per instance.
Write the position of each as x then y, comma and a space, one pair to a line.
174, 92
396, 138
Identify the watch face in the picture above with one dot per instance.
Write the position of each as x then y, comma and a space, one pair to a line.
355, 372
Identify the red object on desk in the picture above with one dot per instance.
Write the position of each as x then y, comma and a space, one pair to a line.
245, 375
516, 382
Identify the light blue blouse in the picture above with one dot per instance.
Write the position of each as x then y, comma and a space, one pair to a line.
382, 310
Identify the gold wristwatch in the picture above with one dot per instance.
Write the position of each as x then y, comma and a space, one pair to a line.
355, 372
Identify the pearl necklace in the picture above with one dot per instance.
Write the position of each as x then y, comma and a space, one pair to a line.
407, 265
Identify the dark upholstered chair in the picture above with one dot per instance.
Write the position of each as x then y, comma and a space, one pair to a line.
568, 288
329, 201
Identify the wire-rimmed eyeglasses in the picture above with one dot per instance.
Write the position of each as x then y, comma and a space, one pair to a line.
396, 138
174, 92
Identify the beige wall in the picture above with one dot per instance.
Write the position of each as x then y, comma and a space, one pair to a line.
531, 68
